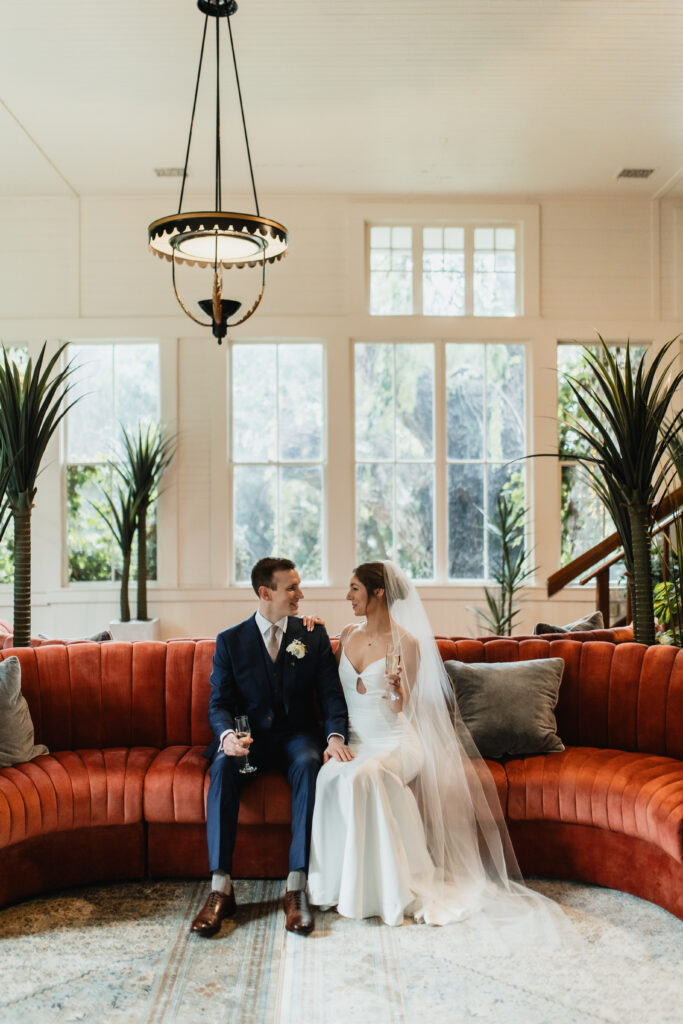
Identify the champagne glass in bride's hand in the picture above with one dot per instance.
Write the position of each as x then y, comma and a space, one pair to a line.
242, 728
393, 665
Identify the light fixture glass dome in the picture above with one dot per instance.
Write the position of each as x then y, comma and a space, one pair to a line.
216, 237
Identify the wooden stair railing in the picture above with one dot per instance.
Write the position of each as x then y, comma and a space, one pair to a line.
599, 552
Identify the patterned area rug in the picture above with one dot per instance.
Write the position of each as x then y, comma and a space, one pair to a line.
123, 953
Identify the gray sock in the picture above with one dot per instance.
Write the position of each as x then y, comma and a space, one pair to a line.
221, 882
296, 880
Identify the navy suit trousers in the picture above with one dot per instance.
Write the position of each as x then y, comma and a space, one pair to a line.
299, 756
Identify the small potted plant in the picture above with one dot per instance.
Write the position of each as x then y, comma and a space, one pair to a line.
508, 525
119, 515
148, 453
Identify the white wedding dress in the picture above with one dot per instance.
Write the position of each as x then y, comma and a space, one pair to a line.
413, 825
369, 856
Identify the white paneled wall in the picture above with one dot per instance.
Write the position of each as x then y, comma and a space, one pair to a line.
596, 259
611, 265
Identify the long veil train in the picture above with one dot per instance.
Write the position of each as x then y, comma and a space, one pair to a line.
476, 876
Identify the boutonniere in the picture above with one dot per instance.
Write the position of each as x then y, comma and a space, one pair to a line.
297, 649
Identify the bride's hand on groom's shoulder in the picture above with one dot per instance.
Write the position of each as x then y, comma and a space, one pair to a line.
311, 621
337, 749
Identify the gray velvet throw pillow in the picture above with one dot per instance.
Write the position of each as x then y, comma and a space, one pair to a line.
592, 621
16, 727
508, 707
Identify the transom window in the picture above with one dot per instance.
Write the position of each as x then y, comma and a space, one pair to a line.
278, 455
456, 270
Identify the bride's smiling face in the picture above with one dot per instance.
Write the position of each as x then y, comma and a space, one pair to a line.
357, 595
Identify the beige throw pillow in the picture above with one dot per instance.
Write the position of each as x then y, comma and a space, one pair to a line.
16, 727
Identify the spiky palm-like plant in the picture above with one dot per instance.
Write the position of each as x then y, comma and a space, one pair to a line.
120, 517
624, 441
148, 454
31, 408
508, 524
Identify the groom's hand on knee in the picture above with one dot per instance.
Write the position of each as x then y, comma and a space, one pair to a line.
337, 749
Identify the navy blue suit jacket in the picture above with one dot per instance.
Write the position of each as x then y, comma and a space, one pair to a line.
240, 683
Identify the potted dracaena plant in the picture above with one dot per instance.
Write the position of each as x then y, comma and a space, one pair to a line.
119, 515
623, 447
507, 524
32, 405
147, 452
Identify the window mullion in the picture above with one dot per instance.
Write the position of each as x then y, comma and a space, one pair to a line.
394, 511
440, 512
417, 271
278, 467
485, 465
469, 270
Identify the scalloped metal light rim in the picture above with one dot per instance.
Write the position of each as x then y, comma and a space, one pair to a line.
163, 229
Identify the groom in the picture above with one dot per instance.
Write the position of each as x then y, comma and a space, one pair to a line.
270, 669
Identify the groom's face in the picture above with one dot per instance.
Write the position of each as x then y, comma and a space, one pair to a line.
284, 598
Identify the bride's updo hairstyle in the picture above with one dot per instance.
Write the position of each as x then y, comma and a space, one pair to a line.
371, 575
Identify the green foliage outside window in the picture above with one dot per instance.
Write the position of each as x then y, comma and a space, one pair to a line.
17, 354
278, 453
584, 519
119, 384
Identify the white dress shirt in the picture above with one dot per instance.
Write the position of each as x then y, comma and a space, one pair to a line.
265, 624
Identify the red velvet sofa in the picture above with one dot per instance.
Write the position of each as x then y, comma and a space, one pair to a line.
121, 794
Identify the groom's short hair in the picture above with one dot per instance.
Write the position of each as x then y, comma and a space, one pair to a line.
262, 573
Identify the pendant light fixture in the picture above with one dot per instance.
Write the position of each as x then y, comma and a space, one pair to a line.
216, 239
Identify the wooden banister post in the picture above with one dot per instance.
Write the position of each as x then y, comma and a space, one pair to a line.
602, 594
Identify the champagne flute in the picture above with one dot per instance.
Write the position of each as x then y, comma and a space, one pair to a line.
242, 728
392, 664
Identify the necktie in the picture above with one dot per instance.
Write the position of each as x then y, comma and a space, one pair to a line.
273, 646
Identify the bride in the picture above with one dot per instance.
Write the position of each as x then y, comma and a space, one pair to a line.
413, 825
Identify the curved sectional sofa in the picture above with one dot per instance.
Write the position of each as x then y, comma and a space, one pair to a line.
121, 793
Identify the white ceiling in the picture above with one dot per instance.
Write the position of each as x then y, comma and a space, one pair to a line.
348, 96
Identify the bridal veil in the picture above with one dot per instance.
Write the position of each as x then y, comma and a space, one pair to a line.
476, 876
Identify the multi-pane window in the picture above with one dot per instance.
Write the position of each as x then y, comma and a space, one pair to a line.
485, 433
394, 428
118, 385
391, 271
278, 455
495, 272
443, 271
585, 521
451, 270
398, 466
17, 354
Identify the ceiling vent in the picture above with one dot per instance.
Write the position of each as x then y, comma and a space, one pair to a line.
636, 172
168, 172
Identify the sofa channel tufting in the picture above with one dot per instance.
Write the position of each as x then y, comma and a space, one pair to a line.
121, 793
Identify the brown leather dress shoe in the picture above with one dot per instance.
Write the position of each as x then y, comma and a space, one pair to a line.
298, 917
218, 905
